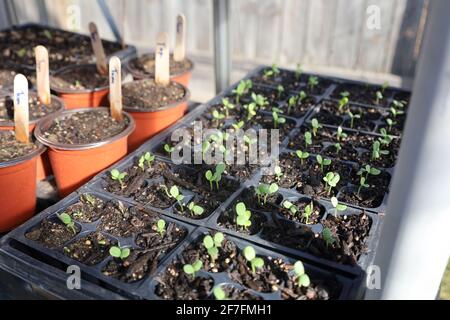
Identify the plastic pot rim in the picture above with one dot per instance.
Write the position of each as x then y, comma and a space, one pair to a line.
75, 91
40, 149
10, 123
187, 95
44, 124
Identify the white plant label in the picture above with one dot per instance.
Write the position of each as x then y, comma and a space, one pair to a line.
179, 52
97, 46
21, 112
162, 71
42, 75
115, 88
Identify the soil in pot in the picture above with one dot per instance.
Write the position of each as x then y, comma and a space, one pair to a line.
147, 95
349, 232
144, 66
91, 249
84, 127
37, 110
65, 48
52, 233
11, 149
85, 78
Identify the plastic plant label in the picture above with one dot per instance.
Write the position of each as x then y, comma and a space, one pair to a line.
42, 75
162, 72
98, 49
115, 88
179, 52
21, 112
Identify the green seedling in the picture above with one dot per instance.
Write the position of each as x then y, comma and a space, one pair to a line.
302, 96
278, 172
337, 206
147, 157
249, 140
22, 52
251, 110
384, 86
217, 116
327, 236
344, 94
238, 125
277, 119
168, 148
119, 253
205, 146
293, 209
212, 245
322, 162
342, 103
161, 227
195, 209
332, 179
259, 100
386, 138
301, 278
174, 193
243, 216
227, 106
390, 123
353, 117
77, 83
102, 242
250, 256
116, 175
315, 126
338, 147
271, 72
378, 97
216, 176
340, 134
298, 71
377, 152
192, 269
48, 34
280, 90
90, 199
264, 190
313, 81
219, 293
291, 103
306, 215
308, 139
362, 184
398, 104
302, 155
368, 170
68, 222
243, 87
395, 112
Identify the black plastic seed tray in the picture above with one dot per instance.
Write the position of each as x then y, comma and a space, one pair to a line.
55, 261
348, 285
7, 40
144, 288
270, 223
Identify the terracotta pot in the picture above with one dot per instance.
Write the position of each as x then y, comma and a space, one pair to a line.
43, 166
74, 165
18, 190
87, 98
182, 78
149, 123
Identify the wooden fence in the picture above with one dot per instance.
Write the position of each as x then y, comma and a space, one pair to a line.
318, 33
